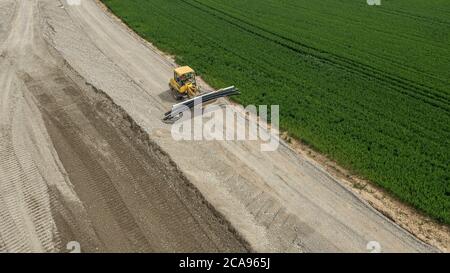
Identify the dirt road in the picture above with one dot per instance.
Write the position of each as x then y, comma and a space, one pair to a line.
85, 156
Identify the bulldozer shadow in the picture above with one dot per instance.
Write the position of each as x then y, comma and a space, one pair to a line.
167, 96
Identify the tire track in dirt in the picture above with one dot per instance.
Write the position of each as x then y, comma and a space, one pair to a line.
22, 189
25, 206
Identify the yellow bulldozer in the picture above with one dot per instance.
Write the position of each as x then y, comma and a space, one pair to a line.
184, 84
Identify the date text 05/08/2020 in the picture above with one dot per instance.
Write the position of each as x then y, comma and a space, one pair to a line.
263, 263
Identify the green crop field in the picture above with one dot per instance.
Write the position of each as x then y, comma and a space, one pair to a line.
369, 86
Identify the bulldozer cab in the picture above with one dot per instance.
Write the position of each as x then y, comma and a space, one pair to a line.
184, 75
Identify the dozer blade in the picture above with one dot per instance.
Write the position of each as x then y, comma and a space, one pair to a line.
179, 108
